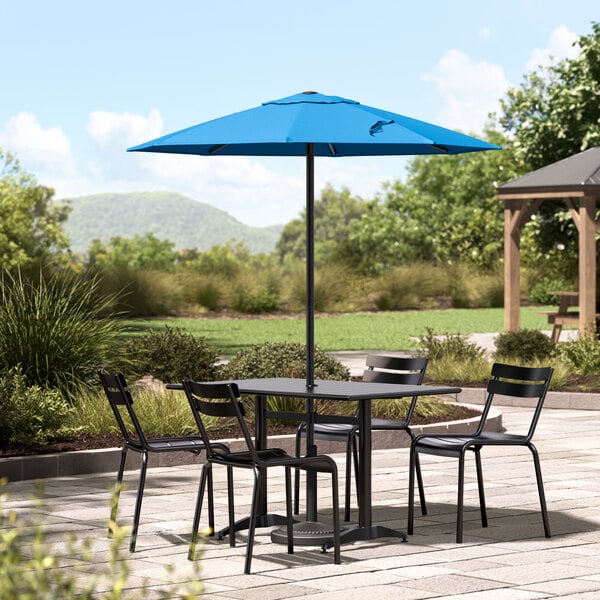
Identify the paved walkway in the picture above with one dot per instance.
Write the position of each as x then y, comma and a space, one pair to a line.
509, 559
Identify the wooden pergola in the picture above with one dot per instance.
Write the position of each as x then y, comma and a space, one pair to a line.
576, 181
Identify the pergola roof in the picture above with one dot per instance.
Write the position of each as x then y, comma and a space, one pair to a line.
576, 180
578, 174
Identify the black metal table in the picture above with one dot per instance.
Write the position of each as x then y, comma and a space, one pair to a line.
363, 393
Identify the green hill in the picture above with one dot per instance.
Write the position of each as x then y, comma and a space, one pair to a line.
167, 215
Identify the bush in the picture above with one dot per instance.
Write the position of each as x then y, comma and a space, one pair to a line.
172, 355
539, 292
524, 346
332, 285
255, 301
30, 414
456, 347
283, 359
482, 290
583, 353
57, 330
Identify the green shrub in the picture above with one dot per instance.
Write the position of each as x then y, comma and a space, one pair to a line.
141, 293
523, 346
456, 347
412, 286
172, 355
583, 353
57, 330
255, 301
34, 568
30, 414
539, 292
206, 290
283, 359
332, 285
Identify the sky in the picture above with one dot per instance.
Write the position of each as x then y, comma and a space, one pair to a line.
80, 82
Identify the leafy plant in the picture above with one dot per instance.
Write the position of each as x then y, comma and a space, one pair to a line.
455, 346
282, 359
56, 329
34, 568
524, 345
583, 353
172, 355
30, 414
255, 301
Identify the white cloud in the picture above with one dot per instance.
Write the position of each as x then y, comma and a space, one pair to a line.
123, 129
469, 89
38, 149
560, 46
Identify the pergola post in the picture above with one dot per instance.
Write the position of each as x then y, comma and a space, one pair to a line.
587, 264
512, 265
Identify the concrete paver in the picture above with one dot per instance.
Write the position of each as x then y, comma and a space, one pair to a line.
509, 559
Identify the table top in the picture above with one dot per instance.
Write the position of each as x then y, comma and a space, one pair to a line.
338, 390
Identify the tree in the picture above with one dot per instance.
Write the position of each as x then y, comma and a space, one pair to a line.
140, 252
30, 224
556, 111
334, 212
553, 115
446, 211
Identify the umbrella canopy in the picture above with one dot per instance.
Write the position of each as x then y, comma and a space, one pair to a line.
311, 124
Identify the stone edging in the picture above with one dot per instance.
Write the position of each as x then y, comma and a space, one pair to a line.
20, 468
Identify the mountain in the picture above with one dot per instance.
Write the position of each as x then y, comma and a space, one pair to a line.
168, 215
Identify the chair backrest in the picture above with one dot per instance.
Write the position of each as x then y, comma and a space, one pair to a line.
120, 398
221, 401
518, 382
396, 369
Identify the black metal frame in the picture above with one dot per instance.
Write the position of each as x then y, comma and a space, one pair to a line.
120, 397
396, 370
507, 380
204, 400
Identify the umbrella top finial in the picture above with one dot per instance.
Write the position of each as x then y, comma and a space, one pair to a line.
312, 98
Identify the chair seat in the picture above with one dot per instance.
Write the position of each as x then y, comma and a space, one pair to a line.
388, 424
193, 444
453, 445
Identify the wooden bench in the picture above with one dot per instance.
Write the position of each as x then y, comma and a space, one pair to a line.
562, 316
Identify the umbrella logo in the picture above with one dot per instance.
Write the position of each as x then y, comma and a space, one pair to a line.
378, 127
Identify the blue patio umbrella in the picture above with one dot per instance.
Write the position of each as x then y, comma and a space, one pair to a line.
311, 124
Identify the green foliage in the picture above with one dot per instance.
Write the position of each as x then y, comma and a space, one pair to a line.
410, 286
582, 353
30, 414
282, 359
447, 210
332, 285
56, 330
455, 346
140, 293
30, 224
208, 291
145, 252
172, 355
255, 301
469, 290
33, 568
333, 213
523, 345
540, 291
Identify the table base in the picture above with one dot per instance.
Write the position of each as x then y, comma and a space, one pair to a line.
268, 520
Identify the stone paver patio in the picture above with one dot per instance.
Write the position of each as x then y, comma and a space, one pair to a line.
509, 559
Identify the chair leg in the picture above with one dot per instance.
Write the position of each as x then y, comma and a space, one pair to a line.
460, 499
252, 520
297, 475
288, 509
482, 507
421, 487
356, 466
540, 485
118, 487
411, 489
203, 476
211, 502
231, 507
349, 456
138, 502
336, 519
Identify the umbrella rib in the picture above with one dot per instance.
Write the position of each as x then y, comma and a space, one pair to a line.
332, 149
216, 148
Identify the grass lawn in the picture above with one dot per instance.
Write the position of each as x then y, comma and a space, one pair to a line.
354, 331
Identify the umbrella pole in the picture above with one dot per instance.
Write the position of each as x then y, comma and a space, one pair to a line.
310, 265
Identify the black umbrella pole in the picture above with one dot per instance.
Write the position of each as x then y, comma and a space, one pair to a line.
310, 265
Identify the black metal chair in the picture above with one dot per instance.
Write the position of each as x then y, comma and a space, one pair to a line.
397, 369
121, 402
507, 380
221, 400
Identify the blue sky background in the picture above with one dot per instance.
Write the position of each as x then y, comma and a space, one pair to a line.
82, 81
